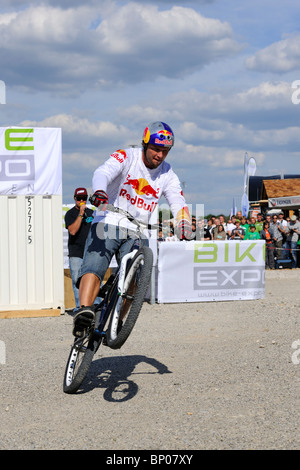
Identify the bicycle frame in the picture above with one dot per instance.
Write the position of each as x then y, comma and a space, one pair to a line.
120, 278
122, 271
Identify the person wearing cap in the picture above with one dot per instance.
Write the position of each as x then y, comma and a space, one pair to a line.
238, 233
292, 236
78, 222
252, 233
132, 179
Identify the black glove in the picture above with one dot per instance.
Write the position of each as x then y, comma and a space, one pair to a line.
184, 230
99, 199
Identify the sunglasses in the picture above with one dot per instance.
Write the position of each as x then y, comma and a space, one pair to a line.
81, 198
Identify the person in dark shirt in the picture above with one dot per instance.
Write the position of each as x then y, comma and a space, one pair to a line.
78, 222
237, 233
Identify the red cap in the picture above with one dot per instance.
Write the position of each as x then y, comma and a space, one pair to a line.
80, 192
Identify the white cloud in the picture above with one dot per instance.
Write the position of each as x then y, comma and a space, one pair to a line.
282, 56
50, 48
79, 126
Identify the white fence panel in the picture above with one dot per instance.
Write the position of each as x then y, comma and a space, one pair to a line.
31, 253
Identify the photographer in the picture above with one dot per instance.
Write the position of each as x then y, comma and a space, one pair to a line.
78, 222
293, 232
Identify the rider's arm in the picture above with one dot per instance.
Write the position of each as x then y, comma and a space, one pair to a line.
173, 194
109, 171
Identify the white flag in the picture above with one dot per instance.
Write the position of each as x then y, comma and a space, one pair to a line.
251, 167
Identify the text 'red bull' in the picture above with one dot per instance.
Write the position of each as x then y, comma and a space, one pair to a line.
138, 201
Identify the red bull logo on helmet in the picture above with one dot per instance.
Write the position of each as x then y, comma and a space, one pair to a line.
158, 133
164, 137
146, 136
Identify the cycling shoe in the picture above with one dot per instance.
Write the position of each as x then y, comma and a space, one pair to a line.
82, 320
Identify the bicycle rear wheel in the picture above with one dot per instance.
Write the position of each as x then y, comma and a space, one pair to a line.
80, 359
126, 308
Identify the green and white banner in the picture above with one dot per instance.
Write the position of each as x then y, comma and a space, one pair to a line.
211, 271
30, 161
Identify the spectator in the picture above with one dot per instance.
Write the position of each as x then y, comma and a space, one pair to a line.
293, 232
194, 228
251, 221
252, 233
200, 227
231, 225
244, 224
223, 222
283, 225
239, 215
269, 220
160, 236
282, 219
215, 225
219, 233
266, 235
207, 230
277, 236
78, 222
259, 222
238, 233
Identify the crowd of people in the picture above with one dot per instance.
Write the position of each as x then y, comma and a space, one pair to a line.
282, 235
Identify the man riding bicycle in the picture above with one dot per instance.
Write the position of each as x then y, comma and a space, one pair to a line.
133, 180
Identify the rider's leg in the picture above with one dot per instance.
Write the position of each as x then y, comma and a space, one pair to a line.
99, 249
89, 289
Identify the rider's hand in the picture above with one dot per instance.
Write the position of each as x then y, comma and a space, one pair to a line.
184, 230
99, 199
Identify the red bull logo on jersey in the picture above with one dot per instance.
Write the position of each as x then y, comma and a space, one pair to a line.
119, 155
142, 188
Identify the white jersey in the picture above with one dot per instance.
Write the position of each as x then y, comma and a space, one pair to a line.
133, 187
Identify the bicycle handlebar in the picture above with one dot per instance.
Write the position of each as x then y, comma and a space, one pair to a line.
130, 217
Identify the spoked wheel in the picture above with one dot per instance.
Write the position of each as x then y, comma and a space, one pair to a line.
126, 308
79, 361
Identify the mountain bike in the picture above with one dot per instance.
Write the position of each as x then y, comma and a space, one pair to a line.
123, 295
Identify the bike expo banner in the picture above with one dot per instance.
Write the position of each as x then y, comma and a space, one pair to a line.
30, 161
211, 271
203, 271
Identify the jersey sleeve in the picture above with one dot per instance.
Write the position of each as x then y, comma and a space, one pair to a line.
174, 196
109, 170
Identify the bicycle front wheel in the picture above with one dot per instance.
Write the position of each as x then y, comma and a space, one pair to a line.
79, 361
126, 308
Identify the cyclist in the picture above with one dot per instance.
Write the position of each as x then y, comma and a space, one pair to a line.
132, 179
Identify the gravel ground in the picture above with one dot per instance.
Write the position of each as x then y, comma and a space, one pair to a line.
215, 375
